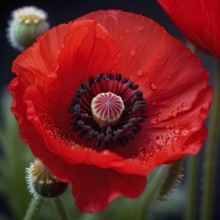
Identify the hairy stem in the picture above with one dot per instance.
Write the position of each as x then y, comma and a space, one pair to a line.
33, 209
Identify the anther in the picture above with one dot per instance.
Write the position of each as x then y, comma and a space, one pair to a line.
99, 140
123, 140
99, 77
125, 80
130, 135
109, 75
138, 93
134, 87
91, 81
77, 99
82, 133
85, 85
118, 77
107, 140
130, 84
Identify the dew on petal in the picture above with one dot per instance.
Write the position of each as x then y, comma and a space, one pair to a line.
177, 131
153, 86
153, 103
140, 28
174, 113
159, 140
140, 72
171, 136
154, 121
168, 77
184, 147
185, 132
179, 109
127, 31
142, 155
121, 38
133, 53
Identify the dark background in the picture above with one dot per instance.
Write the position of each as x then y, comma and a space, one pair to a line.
63, 11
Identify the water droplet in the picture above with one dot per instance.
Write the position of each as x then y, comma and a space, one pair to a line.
157, 149
184, 147
185, 132
177, 131
143, 161
153, 86
159, 140
174, 113
133, 53
140, 72
153, 103
154, 121
139, 40
158, 119
168, 77
140, 28
179, 109
169, 142
127, 31
121, 38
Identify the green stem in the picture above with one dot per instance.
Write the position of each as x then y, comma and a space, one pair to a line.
152, 188
60, 209
191, 175
209, 168
171, 180
33, 209
192, 183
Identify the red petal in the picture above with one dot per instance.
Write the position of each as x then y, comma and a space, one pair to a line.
28, 132
197, 20
40, 58
95, 188
139, 38
181, 78
184, 134
161, 66
87, 51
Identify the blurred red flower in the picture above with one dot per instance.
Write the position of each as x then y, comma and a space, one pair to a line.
162, 85
198, 21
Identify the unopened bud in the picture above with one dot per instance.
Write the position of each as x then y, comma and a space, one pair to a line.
41, 183
26, 24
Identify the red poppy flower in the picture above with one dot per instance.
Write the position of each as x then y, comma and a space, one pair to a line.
105, 99
198, 21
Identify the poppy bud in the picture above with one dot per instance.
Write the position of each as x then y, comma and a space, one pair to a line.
26, 24
41, 183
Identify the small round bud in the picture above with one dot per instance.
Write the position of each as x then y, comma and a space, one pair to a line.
26, 24
107, 108
43, 184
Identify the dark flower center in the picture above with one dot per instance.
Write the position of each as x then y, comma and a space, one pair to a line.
109, 110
